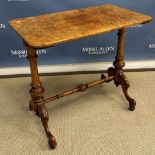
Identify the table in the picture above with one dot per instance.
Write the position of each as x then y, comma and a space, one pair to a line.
51, 29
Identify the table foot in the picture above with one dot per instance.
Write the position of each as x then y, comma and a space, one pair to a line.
51, 141
44, 118
124, 82
132, 104
121, 79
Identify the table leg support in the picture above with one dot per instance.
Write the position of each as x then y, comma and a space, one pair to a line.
117, 70
37, 95
44, 118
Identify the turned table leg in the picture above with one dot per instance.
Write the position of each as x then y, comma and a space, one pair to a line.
37, 95
117, 70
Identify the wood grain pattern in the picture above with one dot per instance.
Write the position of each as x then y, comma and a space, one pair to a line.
37, 95
50, 29
117, 70
47, 30
80, 88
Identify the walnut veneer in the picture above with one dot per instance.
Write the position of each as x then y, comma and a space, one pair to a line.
48, 30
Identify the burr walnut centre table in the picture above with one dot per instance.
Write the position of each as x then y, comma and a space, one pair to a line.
51, 29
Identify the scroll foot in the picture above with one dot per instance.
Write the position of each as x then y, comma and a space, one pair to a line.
125, 85
132, 104
44, 118
52, 141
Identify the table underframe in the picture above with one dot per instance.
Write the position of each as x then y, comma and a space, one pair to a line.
37, 102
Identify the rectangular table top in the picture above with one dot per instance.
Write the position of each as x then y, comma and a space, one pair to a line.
50, 29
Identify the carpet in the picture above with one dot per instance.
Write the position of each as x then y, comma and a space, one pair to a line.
94, 122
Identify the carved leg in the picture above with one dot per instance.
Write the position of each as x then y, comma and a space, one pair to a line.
37, 95
44, 118
125, 85
120, 78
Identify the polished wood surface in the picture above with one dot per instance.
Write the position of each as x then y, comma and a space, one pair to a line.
80, 88
50, 29
117, 70
37, 95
